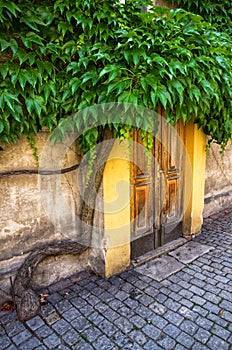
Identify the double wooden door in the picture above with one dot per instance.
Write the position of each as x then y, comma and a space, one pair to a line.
157, 189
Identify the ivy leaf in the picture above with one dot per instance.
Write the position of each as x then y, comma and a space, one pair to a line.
1, 127
107, 69
4, 68
163, 95
154, 98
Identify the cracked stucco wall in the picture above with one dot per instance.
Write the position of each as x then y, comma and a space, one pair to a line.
218, 180
24, 223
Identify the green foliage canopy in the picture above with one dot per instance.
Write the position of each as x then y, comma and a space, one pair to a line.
61, 56
216, 12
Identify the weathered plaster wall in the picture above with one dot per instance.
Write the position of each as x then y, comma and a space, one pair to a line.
24, 223
218, 180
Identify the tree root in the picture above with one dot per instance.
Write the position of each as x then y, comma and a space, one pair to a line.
26, 301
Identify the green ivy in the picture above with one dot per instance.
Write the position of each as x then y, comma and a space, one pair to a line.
216, 12
58, 57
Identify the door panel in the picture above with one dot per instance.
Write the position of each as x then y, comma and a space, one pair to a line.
142, 211
157, 189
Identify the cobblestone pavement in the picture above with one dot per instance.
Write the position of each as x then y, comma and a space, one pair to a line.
192, 309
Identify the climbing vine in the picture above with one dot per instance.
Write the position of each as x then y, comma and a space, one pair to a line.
216, 12
58, 57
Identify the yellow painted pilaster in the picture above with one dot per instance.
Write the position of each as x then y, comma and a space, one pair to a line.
195, 142
116, 186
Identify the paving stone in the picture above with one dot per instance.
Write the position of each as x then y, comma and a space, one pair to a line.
62, 347
131, 346
5, 342
71, 337
176, 296
46, 310
131, 303
173, 317
230, 340
61, 326
120, 339
222, 279
52, 341
186, 293
226, 305
216, 343
151, 331
202, 335
143, 311
138, 337
185, 340
158, 321
225, 295
212, 307
21, 337
200, 310
111, 315
108, 327
123, 324
71, 314
95, 318
172, 330
204, 323
161, 298
116, 304
52, 318
199, 346
172, 305
146, 300
80, 323
63, 305
196, 290
186, 303
151, 291
54, 298
167, 343
30, 344
121, 295
43, 332
212, 298
2, 331
78, 302
11, 347
151, 345
221, 321
138, 321
198, 283
189, 327
102, 343
158, 308
8, 317
186, 313
87, 310
35, 322
83, 345
14, 328
227, 316
220, 332
93, 333
198, 300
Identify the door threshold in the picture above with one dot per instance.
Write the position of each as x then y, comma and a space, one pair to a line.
165, 249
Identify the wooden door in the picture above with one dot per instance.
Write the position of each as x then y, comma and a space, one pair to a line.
157, 190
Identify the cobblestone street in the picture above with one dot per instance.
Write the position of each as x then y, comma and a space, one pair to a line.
191, 309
